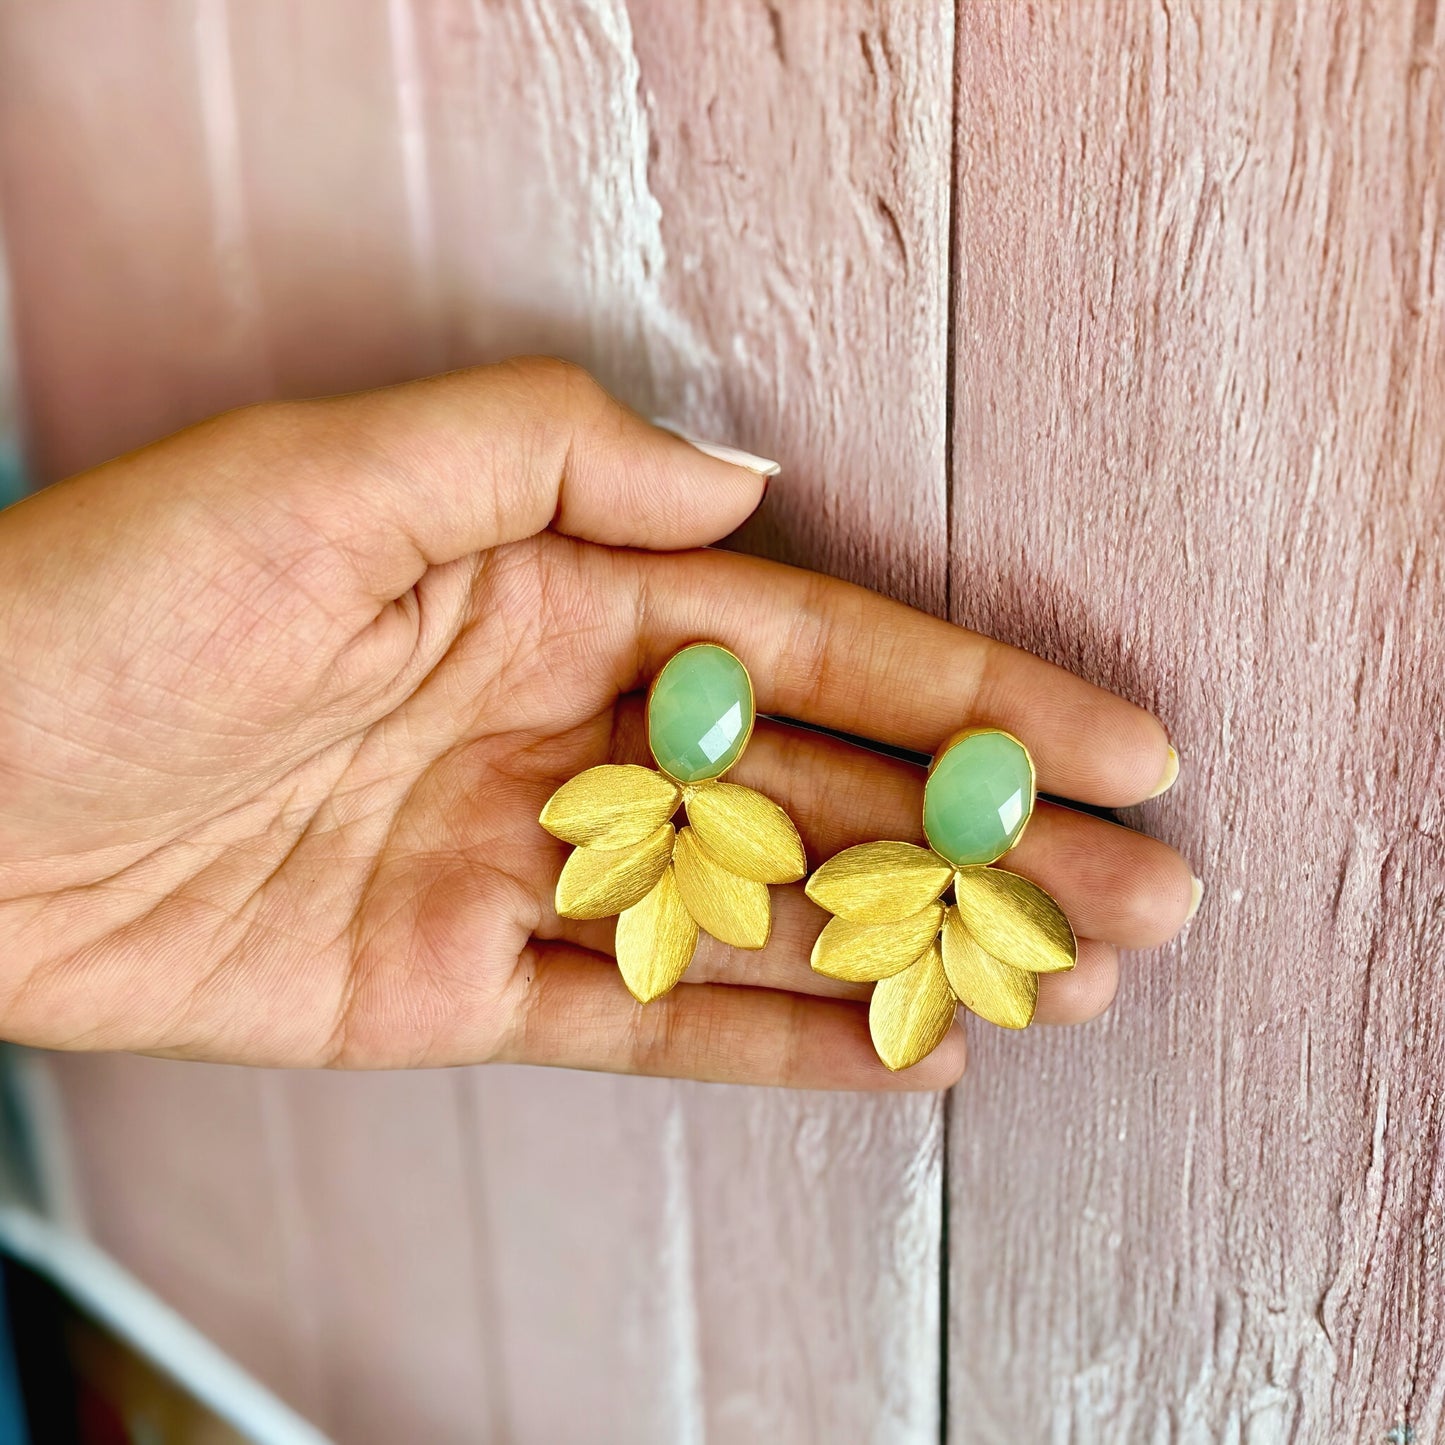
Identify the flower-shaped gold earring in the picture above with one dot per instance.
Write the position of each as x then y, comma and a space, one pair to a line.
665, 883
893, 925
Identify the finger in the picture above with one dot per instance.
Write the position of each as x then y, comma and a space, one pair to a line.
1075, 997
841, 657
883, 795
1085, 991
1114, 884
578, 1014
782, 963
421, 474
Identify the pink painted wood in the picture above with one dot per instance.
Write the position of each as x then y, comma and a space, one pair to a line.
738, 220
1199, 454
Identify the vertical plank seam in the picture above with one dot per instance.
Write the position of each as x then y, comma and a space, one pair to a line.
949, 339
482, 1241
296, 1260
945, 1262
409, 83
678, 1265
944, 1269
232, 239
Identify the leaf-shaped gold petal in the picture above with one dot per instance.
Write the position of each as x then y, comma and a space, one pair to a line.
596, 882
655, 941
1015, 920
734, 910
612, 806
994, 991
746, 832
864, 952
912, 1011
879, 882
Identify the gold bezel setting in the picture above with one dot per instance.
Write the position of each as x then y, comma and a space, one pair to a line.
752, 711
961, 736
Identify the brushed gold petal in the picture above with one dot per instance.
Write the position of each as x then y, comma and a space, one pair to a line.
746, 832
597, 882
865, 952
655, 940
612, 806
1015, 920
879, 882
734, 910
912, 1011
994, 991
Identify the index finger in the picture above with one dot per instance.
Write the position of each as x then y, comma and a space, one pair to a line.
839, 656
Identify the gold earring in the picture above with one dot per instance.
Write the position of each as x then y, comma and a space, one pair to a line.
893, 925
665, 883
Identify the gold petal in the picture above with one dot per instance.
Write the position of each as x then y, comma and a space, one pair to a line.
864, 952
1015, 920
746, 832
655, 941
879, 882
596, 882
612, 806
734, 910
994, 991
912, 1011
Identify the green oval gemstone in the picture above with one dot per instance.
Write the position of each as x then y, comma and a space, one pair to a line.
978, 798
700, 713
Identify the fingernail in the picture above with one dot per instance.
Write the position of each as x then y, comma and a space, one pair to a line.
1196, 893
734, 456
1171, 771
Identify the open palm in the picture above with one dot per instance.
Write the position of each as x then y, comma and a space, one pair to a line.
282, 696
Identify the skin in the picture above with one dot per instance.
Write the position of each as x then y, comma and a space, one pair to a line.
281, 698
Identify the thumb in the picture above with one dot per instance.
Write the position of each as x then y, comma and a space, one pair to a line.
435, 470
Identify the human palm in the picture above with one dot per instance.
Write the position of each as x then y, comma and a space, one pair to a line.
282, 696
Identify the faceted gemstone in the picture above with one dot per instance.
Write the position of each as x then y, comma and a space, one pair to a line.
700, 713
978, 798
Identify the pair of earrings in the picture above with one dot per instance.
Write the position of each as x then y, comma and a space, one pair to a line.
893, 924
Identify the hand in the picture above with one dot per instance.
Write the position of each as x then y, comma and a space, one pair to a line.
281, 698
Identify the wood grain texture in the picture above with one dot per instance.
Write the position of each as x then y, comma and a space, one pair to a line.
1199, 454
1197, 451
738, 218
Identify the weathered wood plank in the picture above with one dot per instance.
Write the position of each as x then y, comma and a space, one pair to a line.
158, 280
739, 220
131, 306
644, 186
391, 1273
178, 1171
1200, 456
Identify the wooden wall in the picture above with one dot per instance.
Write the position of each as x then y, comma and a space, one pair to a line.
1116, 330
